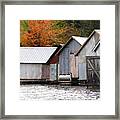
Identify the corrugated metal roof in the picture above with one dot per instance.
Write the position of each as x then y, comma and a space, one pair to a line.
36, 54
81, 40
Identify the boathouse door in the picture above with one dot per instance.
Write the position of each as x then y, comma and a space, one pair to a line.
72, 65
53, 71
93, 69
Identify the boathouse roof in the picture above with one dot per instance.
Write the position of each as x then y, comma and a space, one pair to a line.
80, 41
95, 31
36, 54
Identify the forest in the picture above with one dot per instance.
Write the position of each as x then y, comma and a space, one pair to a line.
39, 33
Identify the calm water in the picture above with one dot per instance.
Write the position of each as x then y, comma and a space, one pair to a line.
57, 92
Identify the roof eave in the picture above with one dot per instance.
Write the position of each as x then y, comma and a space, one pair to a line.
54, 53
65, 45
85, 42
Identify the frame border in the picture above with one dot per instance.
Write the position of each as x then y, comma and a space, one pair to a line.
54, 2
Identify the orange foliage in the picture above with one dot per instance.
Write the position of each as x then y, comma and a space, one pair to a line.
42, 33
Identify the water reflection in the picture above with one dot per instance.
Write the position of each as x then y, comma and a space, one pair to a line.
57, 92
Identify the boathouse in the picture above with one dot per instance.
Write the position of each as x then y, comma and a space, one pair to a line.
67, 62
88, 58
35, 62
53, 62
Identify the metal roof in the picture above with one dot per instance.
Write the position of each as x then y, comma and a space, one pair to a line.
81, 40
95, 31
36, 54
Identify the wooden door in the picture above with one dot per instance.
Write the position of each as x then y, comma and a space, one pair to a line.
53, 71
93, 69
45, 71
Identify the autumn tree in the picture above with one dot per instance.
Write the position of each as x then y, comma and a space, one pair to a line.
36, 35
51, 32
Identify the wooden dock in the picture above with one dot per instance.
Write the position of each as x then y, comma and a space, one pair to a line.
23, 82
62, 83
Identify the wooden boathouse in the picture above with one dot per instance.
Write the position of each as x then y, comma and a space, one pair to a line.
88, 58
36, 63
53, 62
67, 61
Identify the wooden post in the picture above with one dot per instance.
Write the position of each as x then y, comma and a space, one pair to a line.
72, 65
76, 66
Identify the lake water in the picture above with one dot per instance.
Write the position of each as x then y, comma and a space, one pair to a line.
57, 92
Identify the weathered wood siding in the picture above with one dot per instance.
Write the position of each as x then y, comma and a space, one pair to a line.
82, 73
53, 71
98, 51
77, 67
30, 71
34, 71
72, 65
45, 71
64, 57
87, 51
